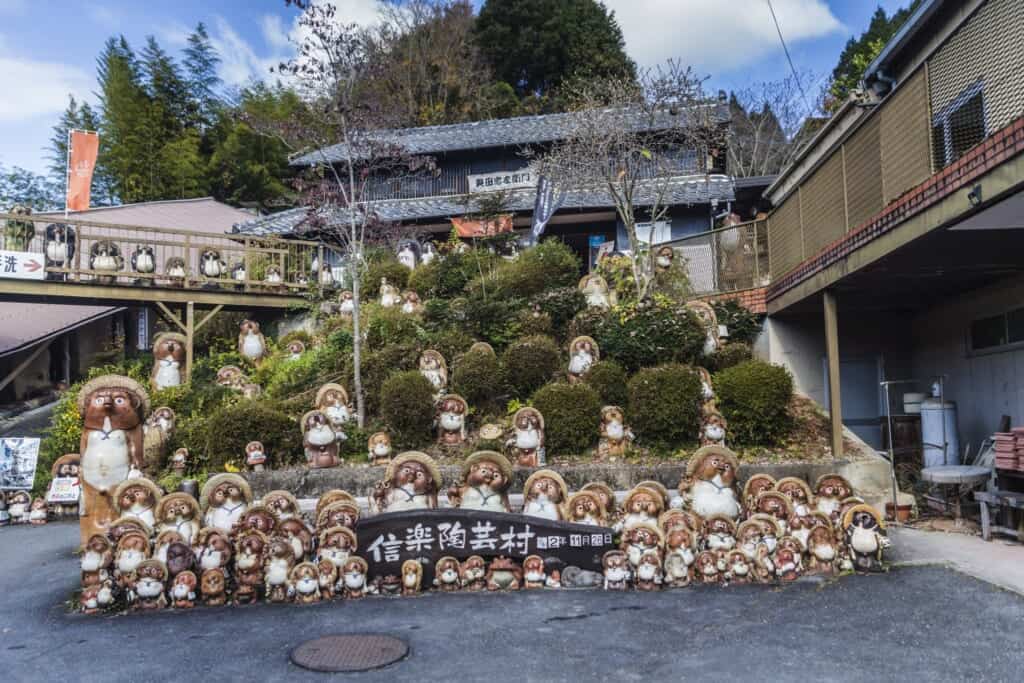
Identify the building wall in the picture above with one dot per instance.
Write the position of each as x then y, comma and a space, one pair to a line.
984, 385
686, 220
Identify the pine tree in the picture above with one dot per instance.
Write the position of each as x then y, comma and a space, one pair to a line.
166, 88
58, 152
201, 62
126, 150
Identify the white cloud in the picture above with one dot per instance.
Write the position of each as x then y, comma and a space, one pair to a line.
174, 34
32, 88
274, 32
716, 36
239, 61
104, 16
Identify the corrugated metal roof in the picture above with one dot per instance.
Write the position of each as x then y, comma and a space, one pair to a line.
204, 215
684, 190
519, 130
22, 326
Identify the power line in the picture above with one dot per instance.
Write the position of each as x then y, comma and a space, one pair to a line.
799, 84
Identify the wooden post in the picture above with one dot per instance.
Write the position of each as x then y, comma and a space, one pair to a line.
832, 349
247, 260
189, 335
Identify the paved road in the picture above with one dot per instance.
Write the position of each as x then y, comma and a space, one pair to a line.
29, 423
928, 623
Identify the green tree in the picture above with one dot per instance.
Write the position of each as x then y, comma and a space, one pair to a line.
201, 60
536, 45
127, 149
861, 51
21, 186
169, 96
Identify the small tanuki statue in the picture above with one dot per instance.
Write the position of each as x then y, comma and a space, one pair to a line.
223, 499
640, 539
327, 578
132, 549
680, 554
162, 543
486, 476
295, 349
213, 587
649, 575
411, 303
709, 321
615, 435
544, 495
180, 558
283, 504
737, 568
616, 569
707, 392
434, 368
707, 569
503, 574
105, 257
332, 401
277, 566
534, 575
788, 563
584, 507
257, 517
411, 482
353, 576
156, 434
232, 377
37, 512
113, 409
641, 505
527, 442
304, 583
719, 533
583, 353
663, 258
66, 468
607, 497
595, 290
451, 420
830, 491
379, 448
346, 304
250, 553
481, 347
339, 513
389, 295
799, 494
319, 440
474, 573
138, 498
712, 429
822, 551
412, 577
176, 271
777, 506
97, 556
446, 574
864, 532
251, 344
709, 487
298, 534
213, 549
255, 456
183, 590
168, 360
755, 486
148, 584
178, 512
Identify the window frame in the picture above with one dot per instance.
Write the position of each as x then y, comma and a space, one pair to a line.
1008, 345
652, 228
942, 117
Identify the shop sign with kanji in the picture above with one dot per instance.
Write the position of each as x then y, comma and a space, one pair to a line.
22, 265
502, 180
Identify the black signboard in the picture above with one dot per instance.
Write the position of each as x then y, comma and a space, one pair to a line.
388, 540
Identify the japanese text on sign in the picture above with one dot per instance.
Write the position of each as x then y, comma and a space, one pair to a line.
502, 180
22, 265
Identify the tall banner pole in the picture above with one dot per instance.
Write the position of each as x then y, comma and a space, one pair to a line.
67, 173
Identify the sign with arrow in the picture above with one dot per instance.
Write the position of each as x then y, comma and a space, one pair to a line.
22, 265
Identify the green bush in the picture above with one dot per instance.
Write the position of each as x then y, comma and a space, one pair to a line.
390, 325
296, 335
378, 365
493, 320
754, 397
232, 426
664, 405
608, 379
407, 406
743, 325
644, 336
220, 334
731, 354
586, 323
549, 264
572, 413
561, 305
529, 364
477, 378
448, 277
390, 268
449, 342
532, 322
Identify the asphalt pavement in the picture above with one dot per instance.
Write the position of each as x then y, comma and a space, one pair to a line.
927, 622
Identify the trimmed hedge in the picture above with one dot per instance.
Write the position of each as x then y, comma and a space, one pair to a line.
448, 277
529, 364
551, 263
384, 326
477, 378
664, 405
754, 397
561, 305
645, 336
407, 406
231, 427
395, 272
743, 325
609, 380
572, 414
731, 354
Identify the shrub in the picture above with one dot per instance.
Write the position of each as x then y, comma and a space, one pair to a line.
385, 326
232, 426
644, 336
447, 277
549, 264
664, 405
407, 406
296, 335
617, 271
561, 304
743, 325
387, 267
586, 322
477, 378
220, 334
609, 380
572, 413
731, 354
530, 363
449, 342
532, 323
493, 320
754, 397
378, 365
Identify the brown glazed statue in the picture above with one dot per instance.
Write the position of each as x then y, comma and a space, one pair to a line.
585, 507
527, 442
615, 435
534, 575
251, 344
353, 577
709, 486
473, 573
411, 482
503, 574
113, 409
147, 586
649, 575
223, 499
250, 553
138, 498
435, 369
617, 571
156, 436
451, 411
183, 590
213, 586
168, 361
412, 577
446, 574
179, 512
319, 440
304, 580
277, 566
544, 495
378, 448
486, 476
283, 504
755, 486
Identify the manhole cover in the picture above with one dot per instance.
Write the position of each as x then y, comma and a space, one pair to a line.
349, 653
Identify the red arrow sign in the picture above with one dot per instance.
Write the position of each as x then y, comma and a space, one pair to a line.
32, 265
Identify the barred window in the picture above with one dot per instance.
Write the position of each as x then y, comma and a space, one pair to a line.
959, 126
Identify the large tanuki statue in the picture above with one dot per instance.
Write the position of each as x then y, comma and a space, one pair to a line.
411, 482
113, 408
709, 487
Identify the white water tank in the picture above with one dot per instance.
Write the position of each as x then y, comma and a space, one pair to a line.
935, 414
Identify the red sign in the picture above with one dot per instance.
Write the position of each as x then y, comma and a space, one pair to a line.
468, 227
84, 147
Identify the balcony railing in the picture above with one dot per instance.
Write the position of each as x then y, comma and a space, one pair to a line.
724, 260
102, 253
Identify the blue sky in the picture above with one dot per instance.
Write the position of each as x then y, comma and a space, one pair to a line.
48, 49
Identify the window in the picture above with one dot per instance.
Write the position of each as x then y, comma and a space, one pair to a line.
959, 126
654, 233
998, 330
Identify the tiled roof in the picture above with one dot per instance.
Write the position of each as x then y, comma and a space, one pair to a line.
520, 130
204, 215
685, 190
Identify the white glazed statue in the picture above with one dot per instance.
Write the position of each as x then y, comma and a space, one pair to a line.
709, 487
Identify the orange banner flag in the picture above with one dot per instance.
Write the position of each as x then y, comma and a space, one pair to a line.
468, 227
85, 146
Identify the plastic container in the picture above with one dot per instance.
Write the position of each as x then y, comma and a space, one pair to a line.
912, 403
933, 415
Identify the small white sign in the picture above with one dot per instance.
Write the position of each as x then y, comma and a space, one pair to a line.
64, 490
18, 458
22, 265
502, 180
